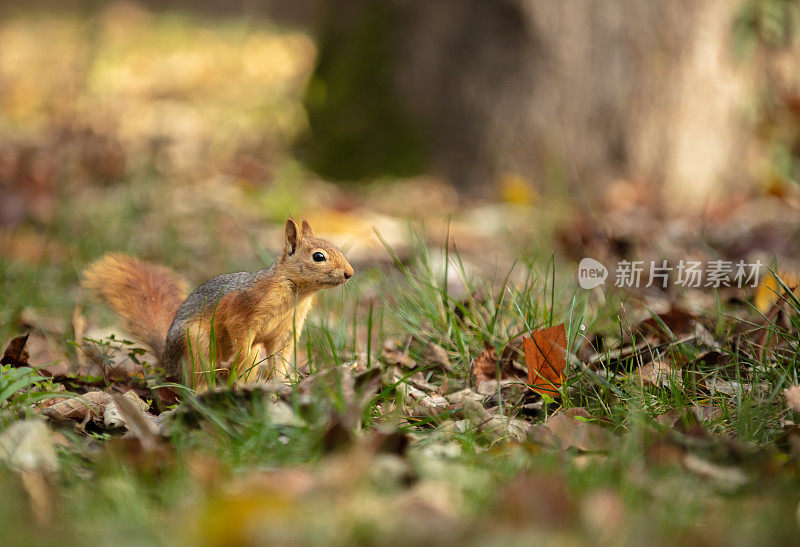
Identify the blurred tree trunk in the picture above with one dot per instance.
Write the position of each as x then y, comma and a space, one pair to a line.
574, 92
579, 90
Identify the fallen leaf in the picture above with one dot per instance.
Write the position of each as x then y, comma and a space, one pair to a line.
403, 385
576, 433
541, 434
658, 374
458, 397
484, 366
16, 354
732, 388
690, 420
418, 381
436, 354
487, 387
546, 359
395, 352
495, 426
46, 356
114, 417
706, 412
89, 405
432, 405
674, 323
512, 354
487, 366
769, 292
141, 426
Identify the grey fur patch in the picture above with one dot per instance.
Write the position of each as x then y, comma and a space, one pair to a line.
202, 300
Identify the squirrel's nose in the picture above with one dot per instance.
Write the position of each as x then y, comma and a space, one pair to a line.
348, 272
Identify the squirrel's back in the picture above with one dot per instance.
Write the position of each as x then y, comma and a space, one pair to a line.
202, 301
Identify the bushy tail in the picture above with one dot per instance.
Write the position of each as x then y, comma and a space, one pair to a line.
147, 296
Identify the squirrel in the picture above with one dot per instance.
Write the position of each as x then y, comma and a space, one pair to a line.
227, 319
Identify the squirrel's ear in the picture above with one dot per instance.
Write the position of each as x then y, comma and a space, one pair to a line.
292, 236
306, 230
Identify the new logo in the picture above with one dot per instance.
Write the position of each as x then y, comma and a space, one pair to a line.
591, 273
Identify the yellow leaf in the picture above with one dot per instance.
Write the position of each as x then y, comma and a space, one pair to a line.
769, 290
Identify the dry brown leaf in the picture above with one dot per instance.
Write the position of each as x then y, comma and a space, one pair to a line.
404, 386
114, 417
792, 395
730, 388
487, 366
545, 355
16, 354
579, 434
89, 405
436, 354
513, 353
541, 434
141, 425
432, 405
395, 352
418, 381
658, 374
679, 321
484, 366
706, 412
493, 424
458, 397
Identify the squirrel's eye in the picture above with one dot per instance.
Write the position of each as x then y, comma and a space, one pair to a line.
318, 257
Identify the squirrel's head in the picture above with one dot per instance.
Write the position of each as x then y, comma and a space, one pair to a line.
312, 263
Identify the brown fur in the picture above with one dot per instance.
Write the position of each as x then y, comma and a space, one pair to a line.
251, 313
145, 295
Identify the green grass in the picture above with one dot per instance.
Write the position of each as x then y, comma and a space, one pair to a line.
240, 437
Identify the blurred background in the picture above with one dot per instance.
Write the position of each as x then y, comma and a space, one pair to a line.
508, 139
186, 131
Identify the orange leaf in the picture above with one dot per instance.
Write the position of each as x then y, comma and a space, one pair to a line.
484, 366
545, 356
